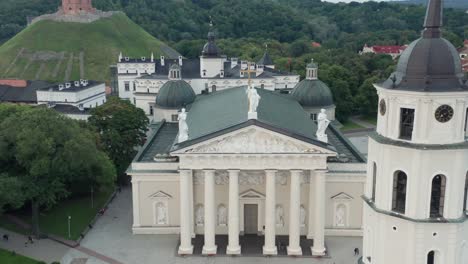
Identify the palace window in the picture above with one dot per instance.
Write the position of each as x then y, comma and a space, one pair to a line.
438, 196
175, 118
262, 86
433, 257
313, 117
134, 87
213, 88
127, 86
374, 179
465, 196
406, 123
151, 110
399, 192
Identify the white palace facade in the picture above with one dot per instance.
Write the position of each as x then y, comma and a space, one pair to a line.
139, 80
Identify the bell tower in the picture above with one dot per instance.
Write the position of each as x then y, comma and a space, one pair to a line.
77, 6
415, 203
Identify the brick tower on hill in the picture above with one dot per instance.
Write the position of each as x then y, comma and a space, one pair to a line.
77, 6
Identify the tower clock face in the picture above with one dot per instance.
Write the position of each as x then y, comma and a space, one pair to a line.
383, 107
444, 113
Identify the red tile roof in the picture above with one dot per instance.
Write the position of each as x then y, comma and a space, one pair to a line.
388, 49
13, 83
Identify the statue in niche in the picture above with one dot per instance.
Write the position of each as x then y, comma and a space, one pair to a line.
303, 215
323, 123
279, 215
254, 99
183, 128
222, 215
199, 215
340, 218
161, 214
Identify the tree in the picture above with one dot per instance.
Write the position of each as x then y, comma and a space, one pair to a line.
367, 98
47, 152
122, 127
10, 192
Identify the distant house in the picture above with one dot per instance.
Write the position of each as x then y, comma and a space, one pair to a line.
74, 99
393, 51
316, 45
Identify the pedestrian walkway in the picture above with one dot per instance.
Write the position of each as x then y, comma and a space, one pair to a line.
44, 249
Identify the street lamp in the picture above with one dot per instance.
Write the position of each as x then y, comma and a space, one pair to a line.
69, 226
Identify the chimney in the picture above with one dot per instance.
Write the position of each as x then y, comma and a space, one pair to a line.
162, 61
152, 57
120, 56
180, 60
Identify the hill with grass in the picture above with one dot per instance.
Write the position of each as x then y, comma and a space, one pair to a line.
63, 51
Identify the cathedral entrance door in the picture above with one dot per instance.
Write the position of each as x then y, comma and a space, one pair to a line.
250, 218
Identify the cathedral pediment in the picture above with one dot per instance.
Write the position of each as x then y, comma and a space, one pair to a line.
251, 194
342, 196
254, 140
160, 195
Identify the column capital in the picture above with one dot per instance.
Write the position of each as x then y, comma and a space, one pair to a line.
320, 171
271, 171
209, 171
296, 171
233, 170
185, 171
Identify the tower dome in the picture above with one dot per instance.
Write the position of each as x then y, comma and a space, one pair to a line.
430, 63
311, 92
210, 49
175, 94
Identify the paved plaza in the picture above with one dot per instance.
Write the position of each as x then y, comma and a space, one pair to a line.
112, 237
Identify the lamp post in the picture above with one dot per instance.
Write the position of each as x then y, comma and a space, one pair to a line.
69, 226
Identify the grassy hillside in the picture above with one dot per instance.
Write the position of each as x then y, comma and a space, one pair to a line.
59, 51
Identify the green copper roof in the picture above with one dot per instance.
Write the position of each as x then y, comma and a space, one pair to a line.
312, 93
175, 94
228, 108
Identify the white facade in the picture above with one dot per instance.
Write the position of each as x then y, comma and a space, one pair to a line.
435, 148
139, 81
82, 94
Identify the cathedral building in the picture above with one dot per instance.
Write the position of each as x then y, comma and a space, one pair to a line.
140, 80
247, 166
416, 194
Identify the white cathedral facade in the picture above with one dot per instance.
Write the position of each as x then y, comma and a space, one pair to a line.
251, 164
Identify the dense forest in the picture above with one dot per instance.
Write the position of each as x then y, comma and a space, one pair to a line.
289, 27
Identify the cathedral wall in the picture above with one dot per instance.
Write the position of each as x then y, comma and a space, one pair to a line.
390, 239
420, 167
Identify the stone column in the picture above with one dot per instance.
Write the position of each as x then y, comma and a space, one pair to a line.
310, 222
186, 247
233, 247
192, 214
270, 205
294, 247
318, 248
136, 202
209, 248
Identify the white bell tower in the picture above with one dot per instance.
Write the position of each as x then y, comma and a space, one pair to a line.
415, 203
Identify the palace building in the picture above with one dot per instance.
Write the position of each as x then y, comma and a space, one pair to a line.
140, 80
417, 175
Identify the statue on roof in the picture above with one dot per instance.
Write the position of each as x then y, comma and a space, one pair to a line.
254, 100
183, 128
323, 123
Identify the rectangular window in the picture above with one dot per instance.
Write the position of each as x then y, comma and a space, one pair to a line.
406, 123
134, 87
127, 86
134, 100
151, 110
313, 117
466, 123
174, 118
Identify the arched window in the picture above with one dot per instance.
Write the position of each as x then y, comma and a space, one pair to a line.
374, 179
430, 257
213, 88
437, 196
465, 196
399, 192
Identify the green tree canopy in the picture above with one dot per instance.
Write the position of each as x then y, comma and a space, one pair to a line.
122, 127
47, 152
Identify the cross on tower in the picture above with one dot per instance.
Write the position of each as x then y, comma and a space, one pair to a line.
249, 71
